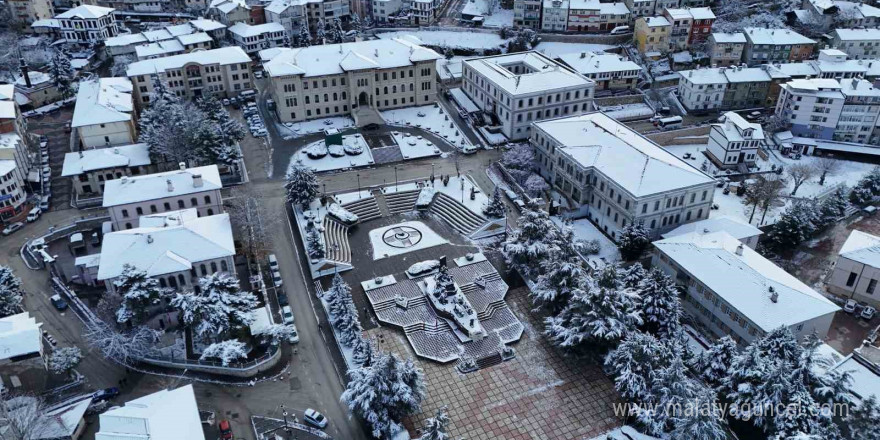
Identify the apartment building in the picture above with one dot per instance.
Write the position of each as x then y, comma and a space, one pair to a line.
385, 11
104, 114
230, 12
13, 174
90, 170
734, 142
136, 5
167, 414
641, 8
524, 87
726, 49
775, 45
554, 16
702, 89
734, 291
701, 26
617, 177
812, 106
747, 87
87, 24
527, 14
857, 269
681, 27
858, 44
424, 11
857, 14
652, 34
224, 72
256, 38
609, 71
127, 198
583, 15
860, 114
26, 12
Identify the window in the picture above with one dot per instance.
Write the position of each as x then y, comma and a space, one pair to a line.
124, 213
153, 209
167, 206
193, 202
139, 210
207, 200
213, 267
851, 280
871, 286
180, 204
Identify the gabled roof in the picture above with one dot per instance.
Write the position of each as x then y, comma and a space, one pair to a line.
857, 34
7, 92
155, 186
105, 158
735, 125
164, 415
736, 228
775, 37
222, 56
103, 101
20, 335
167, 249
594, 62
86, 12
206, 25
227, 6
245, 30
159, 48
862, 247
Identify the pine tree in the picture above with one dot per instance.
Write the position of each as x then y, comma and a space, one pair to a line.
563, 276
660, 305
634, 239
337, 32
226, 351
633, 364
796, 225
833, 207
598, 315
436, 428
320, 31
220, 305
632, 275
610, 277
62, 72
671, 390
305, 38
138, 292
314, 244
530, 243
495, 207
703, 419
860, 422
301, 185
363, 352
10, 292
226, 132
714, 364
356, 24
338, 297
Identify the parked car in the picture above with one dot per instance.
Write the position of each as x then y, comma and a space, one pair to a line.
12, 228
44, 203
105, 394
225, 101
282, 298
276, 278
315, 418
287, 315
33, 215
850, 306
620, 30
258, 74
59, 303
294, 335
468, 149
225, 430
371, 127
868, 313
273, 262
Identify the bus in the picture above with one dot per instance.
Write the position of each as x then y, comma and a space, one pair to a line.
669, 123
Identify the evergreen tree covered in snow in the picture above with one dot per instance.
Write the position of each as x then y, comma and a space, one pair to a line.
833, 207
703, 418
10, 292
343, 312
661, 306
314, 244
363, 352
226, 351
385, 392
596, 315
632, 276
530, 243
634, 363
796, 225
634, 239
495, 207
138, 292
562, 274
867, 188
437, 427
305, 37
860, 423
64, 360
670, 389
227, 131
301, 185
62, 72
356, 24
714, 364
320, 31
337, 32
275, 332
218, 307
610, 276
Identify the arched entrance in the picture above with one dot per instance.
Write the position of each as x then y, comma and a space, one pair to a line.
363, 99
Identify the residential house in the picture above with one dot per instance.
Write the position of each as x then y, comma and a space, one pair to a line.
702, 89
89, 170
857, 270
812, 106
13, 175
164, 415
527, 14
747, 87
679, 34
424, 11
88, 24
36, 89
701, 25
747, 234
609, 71
230, 12
27, 12
652, 34
859, 44
196, 34
775, 45
104, 114
642, 8
617, 177
21, 344
554, 16
726, 49
256, 38
734, 141
860, 114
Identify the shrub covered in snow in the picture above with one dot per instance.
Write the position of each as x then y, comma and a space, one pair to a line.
495, 207
426, 196
301, 185
315, 244
316, 150
225, 351
342, 214
423, 267
353, 149
64, 360
336, 150
589, 247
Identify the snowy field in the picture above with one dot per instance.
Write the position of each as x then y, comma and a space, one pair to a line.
331, 163
462, 40
585, 230
494, 18
425, 238
554, 49
429, 117
290, 130
414, 147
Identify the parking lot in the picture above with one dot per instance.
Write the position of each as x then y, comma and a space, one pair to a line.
53, 127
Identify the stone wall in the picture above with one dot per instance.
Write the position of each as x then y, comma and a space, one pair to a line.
682, 136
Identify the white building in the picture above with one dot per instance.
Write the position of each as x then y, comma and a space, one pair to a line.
527, 14
734, 141
164, 415
230, 12
21, 340
129, 198
224, 72
104, 113
525, 87
860, 114
89, 170
196, 34
733, 290
88, 24
812, 106
554, 16
617, 177
256, 38
702, 88
609, 71
350, 78
857, 270
641, 8
738, 229
726, 49
857, 43
176, 248
388, 10
12, 175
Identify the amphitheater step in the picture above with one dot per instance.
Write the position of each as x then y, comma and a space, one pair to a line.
336, 241
365, 209
459, 217
401, 202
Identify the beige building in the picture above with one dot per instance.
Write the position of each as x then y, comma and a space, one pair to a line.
726, 49
104, 114
230, 12
224, 72
857, 270
350, 78
28, 11
90, 170
747, 234
652, 34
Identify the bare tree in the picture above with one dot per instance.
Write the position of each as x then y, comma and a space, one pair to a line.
23, 418
824, 166
763, 193
118, 346
252, 220
799, 174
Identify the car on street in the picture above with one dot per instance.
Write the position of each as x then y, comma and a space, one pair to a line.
868, 313
33, 215
258, 74
276, 278
315, 418
225, 430
282, 298
371, 127
44, 204
850, 306
294, 335
468, 149
105, 394
59, 303
273, 262
287, 315
12, 228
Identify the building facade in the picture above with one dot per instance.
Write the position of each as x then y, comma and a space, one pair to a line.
90, 170
88, 24
652, 34
527, 14
858, 44
609, 71
857, 270
726, 49
765, 46
554, 16
256, 38
28, 11
812, 106
734, 141
702, 89
104, 114
860, 115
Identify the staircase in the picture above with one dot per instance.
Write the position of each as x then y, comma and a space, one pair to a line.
459, 217
488, 361
365, 209
403, 201
365, 115
336, 240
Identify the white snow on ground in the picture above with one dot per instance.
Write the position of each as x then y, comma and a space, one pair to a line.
554, 49
459, 188
290, 130
494, 18
433, 119
413, 147
848, 173
585, 230
346, 198
330, 163
463, 40
381, 249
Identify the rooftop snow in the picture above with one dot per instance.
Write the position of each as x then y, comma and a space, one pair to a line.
736, 228
103, 101
702, 13
802, 70
245, 30
734, 125
206, 25
159, 48
196, 38
7, 110
705, 76
168, 218
776, 37
227, 6
167, 249
104, 158
7, 92
125, 40
865, 382
746, 74
736, 37
155, 186
613, 9
591, 5
63, 422
19, 335
656, 21
334, 59
743, 281
591, 62
279, 6
222, 56
634, 162
678, 13
862, 247
37, 78
814, 84
86, 12
48, 22
165, 415
858, 34
858, 87
545, 74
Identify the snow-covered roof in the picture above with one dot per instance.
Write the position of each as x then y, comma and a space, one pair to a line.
156, 186
125, 40
104, 158
733, 226
48, 22
734, 37
157, 35
159, 48
196, 38
37, 78
844, 66
678, 13
93, 260
544, 74
857, 34
822, 87
6, 166
169, 218
656, 21
592, 5
734, 127
163, 415
613, 9
705, 76
7, 110
746, 74
86, 12
7, 92
167, 249
789, 70
279, 6
262, 317
862, 247
19, 335
858, 87
634, 162
227, 6
222, 56
744, 281
589, 63
245, 30
206, 25
334, 59
856, 10
775, 37
62, 422
102, 101
702, 13
865, 382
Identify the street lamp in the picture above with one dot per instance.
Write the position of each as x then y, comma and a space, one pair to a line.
395, 177
359, 184
284, 414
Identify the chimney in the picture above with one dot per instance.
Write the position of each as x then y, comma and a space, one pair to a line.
739, 250
149, 238
170, 185
197, 180
583, 54
855, 82
774, 296
182, 165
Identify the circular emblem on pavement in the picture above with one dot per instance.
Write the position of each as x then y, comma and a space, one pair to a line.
402, 236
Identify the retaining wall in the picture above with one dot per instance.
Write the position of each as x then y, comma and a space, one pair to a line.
674, 137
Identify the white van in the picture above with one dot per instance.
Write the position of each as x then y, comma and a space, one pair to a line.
620, 30
247, 95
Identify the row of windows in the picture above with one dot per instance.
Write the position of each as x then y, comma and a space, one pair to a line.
194, 202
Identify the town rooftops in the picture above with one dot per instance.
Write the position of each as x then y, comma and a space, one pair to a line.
86, 12
775, 37
741, 74
747, 282
168, 249
617, 8
734, 126
206, 25
20, 335
279, 6
7, 92
245, 30
823, 87
656, 21
862, 247
857, 34
227, 6
540, 73
62, 421
790, 70
702, 13
334, 59
591, 5
634, 162
734, 37
161, 185
223, 56
735, 227
159, 48
7, 101
589, 63
103, 101
704, 76
46, 23
194, 38
679, 13
165, 415
105, 158
858, 87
